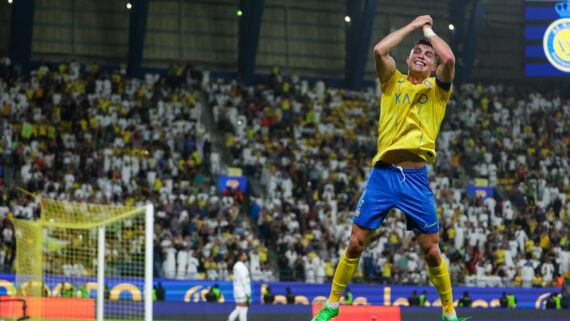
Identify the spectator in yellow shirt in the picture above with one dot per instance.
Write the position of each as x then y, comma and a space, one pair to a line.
544, 241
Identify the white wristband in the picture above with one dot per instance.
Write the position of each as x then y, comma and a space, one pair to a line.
428, 32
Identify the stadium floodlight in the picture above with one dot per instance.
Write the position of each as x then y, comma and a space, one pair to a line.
346, 18
239, 13
451, 27
129, 5
10, 1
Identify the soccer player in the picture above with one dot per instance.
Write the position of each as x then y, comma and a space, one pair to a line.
411, 110
242, 288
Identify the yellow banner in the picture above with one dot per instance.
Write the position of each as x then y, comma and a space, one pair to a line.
235, 171
481, 182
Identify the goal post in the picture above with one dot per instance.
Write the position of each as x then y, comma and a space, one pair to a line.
86, 261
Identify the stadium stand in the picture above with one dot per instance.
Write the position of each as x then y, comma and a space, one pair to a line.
101, 138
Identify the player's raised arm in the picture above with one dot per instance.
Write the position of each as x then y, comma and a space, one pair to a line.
446, 69
385, 64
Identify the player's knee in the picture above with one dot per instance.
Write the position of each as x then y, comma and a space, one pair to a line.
432, 256
355, 247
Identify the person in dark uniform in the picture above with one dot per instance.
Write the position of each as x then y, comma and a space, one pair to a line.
268, 297
504, 301
160, 292
465, 301
290, 296
550, 303
211, 296
414, 300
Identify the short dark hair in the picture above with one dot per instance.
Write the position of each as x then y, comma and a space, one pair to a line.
423, 42
427, 43
242, 252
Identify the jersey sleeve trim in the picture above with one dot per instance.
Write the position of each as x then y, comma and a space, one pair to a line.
443, 85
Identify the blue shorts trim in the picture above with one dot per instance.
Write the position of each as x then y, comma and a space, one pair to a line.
406, 189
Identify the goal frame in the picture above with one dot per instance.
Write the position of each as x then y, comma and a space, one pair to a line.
148, 272
37, 228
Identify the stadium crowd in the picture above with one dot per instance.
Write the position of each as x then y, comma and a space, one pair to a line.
90, 136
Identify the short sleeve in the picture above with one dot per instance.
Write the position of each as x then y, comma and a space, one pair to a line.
387, 86
443, 93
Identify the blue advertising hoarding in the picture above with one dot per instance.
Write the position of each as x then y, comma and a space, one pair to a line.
232, 182
305, 293
480, 191
363, 294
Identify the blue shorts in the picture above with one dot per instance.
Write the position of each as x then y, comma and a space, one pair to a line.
406, 189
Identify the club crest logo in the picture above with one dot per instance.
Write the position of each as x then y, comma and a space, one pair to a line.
556, 41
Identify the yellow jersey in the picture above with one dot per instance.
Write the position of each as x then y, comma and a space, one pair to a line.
410, 116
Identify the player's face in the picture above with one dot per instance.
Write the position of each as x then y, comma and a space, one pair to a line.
421, 60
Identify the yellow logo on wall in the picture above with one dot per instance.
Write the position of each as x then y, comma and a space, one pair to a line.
556, 40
